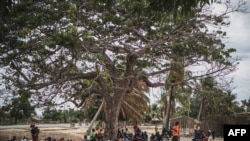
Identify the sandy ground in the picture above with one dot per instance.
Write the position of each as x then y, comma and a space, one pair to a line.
74, 134
57, 133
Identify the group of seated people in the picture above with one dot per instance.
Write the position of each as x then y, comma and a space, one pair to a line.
139, 135
125, 135
12, 138
53, 139
199, 135
95, 135
24, 138
159, 136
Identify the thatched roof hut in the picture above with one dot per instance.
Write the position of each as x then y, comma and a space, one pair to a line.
156, 120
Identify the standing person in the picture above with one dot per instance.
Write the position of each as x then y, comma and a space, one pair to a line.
135, 127
34, 132
195, 127
210, 135
176, 131
156, 128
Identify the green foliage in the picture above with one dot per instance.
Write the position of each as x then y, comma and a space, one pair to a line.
155, 111
4, 116
214, 100
65, 116
178, 8
19, 108
246, 104
90, 112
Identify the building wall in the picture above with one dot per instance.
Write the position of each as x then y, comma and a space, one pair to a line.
216, 123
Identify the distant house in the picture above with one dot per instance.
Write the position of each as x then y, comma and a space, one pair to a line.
186, 124
156, 120
36, 120
216, 123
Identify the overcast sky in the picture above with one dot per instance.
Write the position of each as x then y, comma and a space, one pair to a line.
238, 33
239, 38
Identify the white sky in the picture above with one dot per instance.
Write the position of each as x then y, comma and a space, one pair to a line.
239, 38
238, 33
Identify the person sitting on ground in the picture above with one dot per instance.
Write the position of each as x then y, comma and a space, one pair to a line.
197, 134
92, 135
24, 138
157, 136
138, 136
204, 137
164, 131
125, 137
14, 138
96, 130
48, 139
145, 135
99, 135
126, 131
152, 137
85, 138
119, 134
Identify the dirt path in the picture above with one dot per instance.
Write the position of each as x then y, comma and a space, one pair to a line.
57, 133
74, 134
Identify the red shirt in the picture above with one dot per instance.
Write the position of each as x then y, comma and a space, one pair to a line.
175, 130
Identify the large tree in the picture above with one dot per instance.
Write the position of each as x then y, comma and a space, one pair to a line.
133, 106
67, 50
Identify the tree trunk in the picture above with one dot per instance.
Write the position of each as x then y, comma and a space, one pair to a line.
112, 109
200, 110
95, 117
167, 114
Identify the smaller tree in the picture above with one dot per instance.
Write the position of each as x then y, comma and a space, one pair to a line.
246, 104
211, 99
55, 115
4, 116
19, 107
